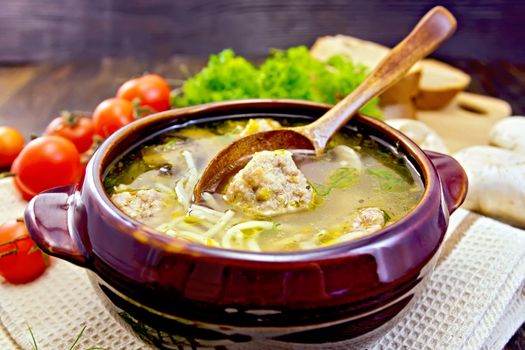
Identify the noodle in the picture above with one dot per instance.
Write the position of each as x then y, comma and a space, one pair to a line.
221, 224
358, 186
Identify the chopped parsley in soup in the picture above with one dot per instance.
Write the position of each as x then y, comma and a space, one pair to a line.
279, 201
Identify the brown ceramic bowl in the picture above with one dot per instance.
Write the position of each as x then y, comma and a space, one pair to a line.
172, 293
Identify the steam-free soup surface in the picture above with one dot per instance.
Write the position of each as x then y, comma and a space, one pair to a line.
356, 188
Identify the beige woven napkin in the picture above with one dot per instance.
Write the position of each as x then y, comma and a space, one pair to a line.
475, 298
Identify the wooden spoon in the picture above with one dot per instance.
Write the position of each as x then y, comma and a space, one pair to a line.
433, 29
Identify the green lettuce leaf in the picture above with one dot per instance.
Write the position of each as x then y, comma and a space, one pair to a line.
292, 73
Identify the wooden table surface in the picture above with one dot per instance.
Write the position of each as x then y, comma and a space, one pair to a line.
31, 95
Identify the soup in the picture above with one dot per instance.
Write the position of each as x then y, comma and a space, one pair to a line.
280, 201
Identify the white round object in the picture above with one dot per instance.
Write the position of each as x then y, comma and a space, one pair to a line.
424, 136
496, 182
509, 133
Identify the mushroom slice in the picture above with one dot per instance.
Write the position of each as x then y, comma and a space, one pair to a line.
347, 157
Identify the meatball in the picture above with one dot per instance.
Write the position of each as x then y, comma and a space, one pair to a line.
365, 222
270, 184
369, 220
141, 204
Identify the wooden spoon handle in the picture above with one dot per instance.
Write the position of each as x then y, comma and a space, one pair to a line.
434, 28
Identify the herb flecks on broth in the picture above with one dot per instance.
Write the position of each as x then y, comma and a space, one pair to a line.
278, 202
338, 179
388, 179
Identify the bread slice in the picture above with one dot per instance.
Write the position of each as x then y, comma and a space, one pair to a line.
360, 51
369, 54
429, 84
439, 84
404, 110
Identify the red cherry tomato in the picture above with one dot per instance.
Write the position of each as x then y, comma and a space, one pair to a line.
151, 90
20, 259
112, 114
75, 128
11, 143
46, 162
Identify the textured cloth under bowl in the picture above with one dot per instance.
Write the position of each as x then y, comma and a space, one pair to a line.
474, 300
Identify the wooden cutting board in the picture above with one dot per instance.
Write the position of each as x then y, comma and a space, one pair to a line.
467, 120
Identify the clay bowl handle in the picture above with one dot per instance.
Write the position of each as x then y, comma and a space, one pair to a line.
51, 218
452, 177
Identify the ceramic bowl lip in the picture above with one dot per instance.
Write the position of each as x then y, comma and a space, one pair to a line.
147, 234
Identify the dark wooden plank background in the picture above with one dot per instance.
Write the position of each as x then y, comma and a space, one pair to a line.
63, 29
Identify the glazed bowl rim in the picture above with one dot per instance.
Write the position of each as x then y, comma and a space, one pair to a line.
144, 233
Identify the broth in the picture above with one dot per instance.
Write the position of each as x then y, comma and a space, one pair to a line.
355, 188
